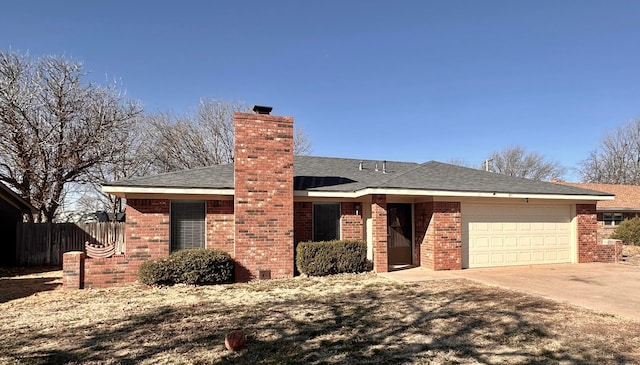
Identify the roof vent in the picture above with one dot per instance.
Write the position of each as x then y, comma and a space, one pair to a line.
384, 167
261, 109
360, 165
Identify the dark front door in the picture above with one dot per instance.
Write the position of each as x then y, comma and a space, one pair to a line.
399, 234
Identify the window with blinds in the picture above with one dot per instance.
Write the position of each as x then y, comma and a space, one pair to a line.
187, 225
326, 221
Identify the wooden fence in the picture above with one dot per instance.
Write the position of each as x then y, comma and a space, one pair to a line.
44, 243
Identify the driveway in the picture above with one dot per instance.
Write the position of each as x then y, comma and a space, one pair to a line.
608, 288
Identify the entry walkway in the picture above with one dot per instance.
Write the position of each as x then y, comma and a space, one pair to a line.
608, 288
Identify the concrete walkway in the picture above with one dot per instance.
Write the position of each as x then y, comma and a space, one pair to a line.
608, 288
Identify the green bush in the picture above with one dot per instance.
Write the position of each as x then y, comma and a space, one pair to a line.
192, 266
156, 272
331, 257
628, 231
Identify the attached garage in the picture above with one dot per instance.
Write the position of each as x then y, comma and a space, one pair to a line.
507, 235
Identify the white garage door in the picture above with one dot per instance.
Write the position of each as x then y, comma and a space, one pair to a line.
505, 235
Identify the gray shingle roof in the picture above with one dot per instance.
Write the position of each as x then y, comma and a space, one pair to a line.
343, 175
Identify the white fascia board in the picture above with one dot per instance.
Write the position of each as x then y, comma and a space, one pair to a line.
123, 190
411, 192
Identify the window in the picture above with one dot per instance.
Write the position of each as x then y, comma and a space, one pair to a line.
326, 221
187, 224
612, 219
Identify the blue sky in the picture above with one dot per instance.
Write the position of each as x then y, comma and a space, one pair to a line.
387, 80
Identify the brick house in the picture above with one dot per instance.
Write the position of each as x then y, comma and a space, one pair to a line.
434, 215
610, 213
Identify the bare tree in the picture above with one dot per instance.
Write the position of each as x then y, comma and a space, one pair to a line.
56, 129
516, 161
617, 159
201, 138
460, 162
301, 143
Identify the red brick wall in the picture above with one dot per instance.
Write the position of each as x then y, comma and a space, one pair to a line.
439, 234
587, 232
590, 247
447, 220
302, 222
146, 238
379, 232
263, 172
112, 271
220, 225
350, 222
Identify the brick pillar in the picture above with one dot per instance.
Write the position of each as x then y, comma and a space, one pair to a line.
379, 232
587, 232
73, 270
263, 173
447, 236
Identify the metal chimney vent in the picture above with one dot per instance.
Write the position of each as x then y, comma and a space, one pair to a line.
261, 109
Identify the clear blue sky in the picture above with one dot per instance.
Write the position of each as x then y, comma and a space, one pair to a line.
394, 80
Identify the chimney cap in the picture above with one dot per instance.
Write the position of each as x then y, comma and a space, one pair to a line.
261, 109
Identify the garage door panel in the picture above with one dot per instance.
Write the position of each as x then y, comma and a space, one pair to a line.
516, 235
511, 242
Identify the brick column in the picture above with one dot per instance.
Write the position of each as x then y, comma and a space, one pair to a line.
263, 173
587, 232
447, 236
73, 270
379, 232
439, 235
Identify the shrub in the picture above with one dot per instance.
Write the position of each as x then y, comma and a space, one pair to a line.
628, 231
191, 266
331, 257
156, 272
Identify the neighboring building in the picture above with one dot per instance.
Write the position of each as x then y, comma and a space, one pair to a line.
626, 204
13, 209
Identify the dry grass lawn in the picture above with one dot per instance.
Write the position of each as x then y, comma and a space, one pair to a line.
344, 319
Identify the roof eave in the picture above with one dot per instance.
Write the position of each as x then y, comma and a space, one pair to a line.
444, 193
122, 191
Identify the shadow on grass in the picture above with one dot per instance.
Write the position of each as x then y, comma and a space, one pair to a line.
364, 326
16, 288
13, 271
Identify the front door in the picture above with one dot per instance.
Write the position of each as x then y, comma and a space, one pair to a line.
399, 234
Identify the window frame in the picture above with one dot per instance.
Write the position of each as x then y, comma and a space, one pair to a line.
612, 219
173, 246
314, 222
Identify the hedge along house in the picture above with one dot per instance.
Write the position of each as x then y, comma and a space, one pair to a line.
434, 215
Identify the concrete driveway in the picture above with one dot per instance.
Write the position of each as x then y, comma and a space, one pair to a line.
608, 288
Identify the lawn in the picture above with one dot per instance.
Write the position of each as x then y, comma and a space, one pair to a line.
344, 319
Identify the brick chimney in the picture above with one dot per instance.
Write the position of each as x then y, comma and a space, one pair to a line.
263, 203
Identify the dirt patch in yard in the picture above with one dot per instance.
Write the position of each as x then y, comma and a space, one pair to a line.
344, 319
